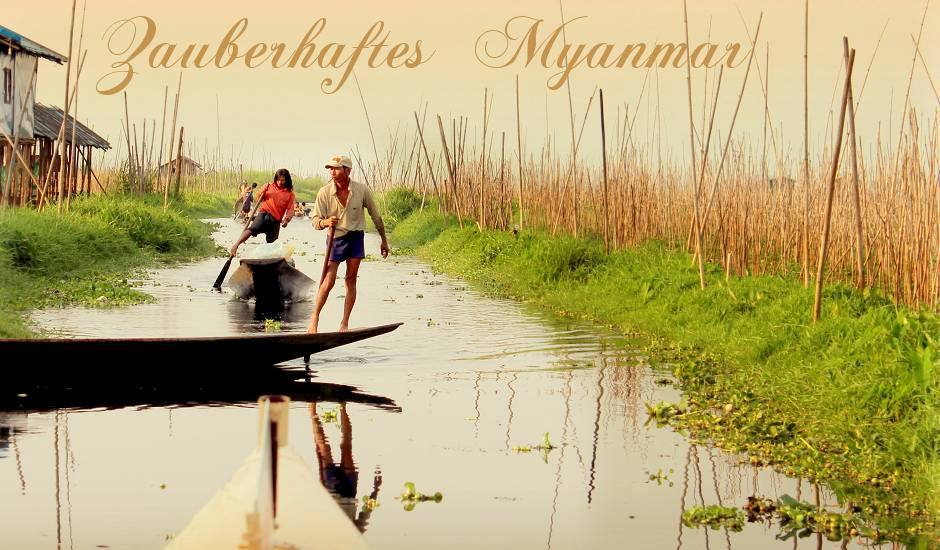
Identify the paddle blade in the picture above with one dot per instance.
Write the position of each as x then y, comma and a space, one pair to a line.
221, 277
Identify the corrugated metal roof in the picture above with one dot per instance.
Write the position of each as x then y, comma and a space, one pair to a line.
48, 120
32, 47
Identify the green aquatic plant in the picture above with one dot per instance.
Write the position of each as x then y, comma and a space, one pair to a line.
661, 477
545, 447
330, 416
714, 517
800, 519
272, 325
411, 497
664, 413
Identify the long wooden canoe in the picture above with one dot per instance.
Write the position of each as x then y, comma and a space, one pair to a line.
168, 355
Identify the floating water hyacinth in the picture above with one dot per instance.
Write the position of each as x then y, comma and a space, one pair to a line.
411, 497
329, 416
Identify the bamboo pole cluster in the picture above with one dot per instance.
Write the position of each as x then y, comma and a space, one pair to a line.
866, 220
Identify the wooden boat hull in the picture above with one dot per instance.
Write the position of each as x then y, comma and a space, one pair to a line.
269, 281
190, 356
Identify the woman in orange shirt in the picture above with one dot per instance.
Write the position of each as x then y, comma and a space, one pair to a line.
277, 208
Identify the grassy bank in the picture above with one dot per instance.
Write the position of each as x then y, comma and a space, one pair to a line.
87, 255
851, 401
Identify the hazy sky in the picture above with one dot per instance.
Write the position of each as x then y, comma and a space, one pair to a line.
271, 117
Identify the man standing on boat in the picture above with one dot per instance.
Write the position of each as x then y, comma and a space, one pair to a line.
277, 208
340, 206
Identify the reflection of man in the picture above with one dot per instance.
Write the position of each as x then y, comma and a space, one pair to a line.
342, 480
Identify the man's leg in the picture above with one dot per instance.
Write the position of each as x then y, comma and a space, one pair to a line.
352, 273
322, 293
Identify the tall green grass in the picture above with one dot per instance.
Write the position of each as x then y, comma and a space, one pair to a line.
858, 391
86, 255
398, 203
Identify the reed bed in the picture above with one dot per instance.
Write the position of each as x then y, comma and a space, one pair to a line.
752, 224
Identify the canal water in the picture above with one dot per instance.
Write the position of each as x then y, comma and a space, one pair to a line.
449, 402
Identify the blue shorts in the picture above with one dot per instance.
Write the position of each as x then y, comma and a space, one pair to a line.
350, 245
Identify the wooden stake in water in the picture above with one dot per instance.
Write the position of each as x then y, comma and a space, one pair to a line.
817, 300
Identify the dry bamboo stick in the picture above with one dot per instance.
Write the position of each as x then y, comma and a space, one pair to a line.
859, 238
519, 154
817, 300
698, 219
65, 116
806, 147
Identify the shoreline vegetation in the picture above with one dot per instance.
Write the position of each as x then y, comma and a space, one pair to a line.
91, 254
850, 401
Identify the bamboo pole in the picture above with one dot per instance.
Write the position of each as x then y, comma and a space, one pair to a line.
734, 119
859, 237
806, 202
179, 163
519, 154
73, 148
166, 92
698, 219
68, 74
131, 164
427, 157
166, 173
907, 95
483, 160
604, 156
452, 170
824, 242
368, 120
926, 70
59, 137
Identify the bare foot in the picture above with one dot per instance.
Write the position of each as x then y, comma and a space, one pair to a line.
312, 329
344, 327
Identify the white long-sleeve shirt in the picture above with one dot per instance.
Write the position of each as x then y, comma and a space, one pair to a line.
351, 217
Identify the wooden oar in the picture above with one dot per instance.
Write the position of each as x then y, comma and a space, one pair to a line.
228, 263
329, 253
326, 267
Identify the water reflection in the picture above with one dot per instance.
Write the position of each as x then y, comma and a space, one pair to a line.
250, 316
342, 480
141, 391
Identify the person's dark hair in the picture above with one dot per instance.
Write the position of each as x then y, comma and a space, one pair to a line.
288, 184
253, 185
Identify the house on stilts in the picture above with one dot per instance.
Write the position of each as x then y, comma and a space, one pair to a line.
31, 134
